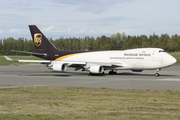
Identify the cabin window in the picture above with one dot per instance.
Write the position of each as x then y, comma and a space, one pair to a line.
162, 51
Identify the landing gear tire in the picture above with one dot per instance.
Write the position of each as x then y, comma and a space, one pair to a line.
157, 74
112, 72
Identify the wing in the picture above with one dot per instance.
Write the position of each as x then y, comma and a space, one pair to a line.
92, 67
85, 66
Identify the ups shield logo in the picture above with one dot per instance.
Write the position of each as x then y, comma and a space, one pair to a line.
37, 39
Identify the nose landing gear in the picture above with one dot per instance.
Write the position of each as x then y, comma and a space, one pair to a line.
157, 74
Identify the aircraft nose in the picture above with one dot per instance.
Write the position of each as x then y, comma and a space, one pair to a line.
169, 60
172, 60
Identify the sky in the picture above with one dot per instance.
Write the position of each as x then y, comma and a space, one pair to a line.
93, 18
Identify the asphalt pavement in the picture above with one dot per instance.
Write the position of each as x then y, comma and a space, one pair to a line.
39, 75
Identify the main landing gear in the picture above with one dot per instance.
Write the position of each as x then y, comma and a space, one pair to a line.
157, 74
112, 72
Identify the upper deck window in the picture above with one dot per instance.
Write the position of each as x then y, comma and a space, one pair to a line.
162, 51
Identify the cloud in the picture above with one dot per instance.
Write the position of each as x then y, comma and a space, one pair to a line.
15, 30
50, 28
82, 31
20, 4
69, 32
55, 30
11, 31
1, 31
94, 6
14, 17
126, 31
110, 20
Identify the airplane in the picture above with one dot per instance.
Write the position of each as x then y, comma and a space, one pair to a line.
97, 62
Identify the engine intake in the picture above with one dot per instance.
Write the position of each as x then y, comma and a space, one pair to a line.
96, 69
59, 67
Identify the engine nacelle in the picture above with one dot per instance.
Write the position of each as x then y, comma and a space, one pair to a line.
59, 67
96, 69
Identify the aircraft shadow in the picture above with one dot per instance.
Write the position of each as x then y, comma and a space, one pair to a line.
136, 74
76, 73
60, 75
68, 74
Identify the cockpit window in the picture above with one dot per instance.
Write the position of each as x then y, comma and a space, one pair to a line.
162, 51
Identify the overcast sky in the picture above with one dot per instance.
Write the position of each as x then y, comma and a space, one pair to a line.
80, 18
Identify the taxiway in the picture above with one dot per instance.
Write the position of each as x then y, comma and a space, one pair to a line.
39, 75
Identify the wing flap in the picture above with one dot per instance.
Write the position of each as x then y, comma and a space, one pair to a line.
108, 64
70, 63
105, 64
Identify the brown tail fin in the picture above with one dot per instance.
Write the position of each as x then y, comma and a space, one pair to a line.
39, 40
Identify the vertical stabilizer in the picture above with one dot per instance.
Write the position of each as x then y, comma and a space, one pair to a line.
39, 40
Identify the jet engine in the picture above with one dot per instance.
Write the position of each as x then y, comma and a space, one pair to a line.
96, 69
59, 67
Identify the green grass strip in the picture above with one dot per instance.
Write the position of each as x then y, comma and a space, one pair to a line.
41, 103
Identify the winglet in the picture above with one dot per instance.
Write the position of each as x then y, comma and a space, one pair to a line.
8, 58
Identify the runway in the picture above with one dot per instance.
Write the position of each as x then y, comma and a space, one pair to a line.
39, 75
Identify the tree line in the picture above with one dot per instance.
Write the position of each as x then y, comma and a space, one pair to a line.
118, 41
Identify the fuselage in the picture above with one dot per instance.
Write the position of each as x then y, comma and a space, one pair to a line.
133, 59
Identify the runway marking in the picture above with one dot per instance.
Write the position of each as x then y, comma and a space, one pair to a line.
169, 79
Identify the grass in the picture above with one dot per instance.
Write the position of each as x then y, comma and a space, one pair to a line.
4, 62
41, 103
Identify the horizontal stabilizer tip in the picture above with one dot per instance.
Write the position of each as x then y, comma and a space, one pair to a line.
8, 58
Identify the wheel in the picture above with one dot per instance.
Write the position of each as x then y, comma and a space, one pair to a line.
157, 74
115, 72
112, 72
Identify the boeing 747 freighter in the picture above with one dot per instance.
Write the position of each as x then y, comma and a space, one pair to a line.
96, 62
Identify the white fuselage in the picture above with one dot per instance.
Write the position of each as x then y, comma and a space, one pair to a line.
133, 59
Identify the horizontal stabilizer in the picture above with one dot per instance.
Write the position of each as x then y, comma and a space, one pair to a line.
33, 61
8, 58
32, 53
